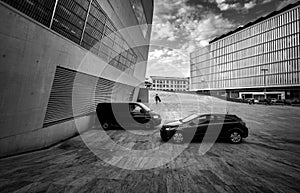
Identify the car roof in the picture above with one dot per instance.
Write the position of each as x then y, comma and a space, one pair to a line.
121, 102
221, 115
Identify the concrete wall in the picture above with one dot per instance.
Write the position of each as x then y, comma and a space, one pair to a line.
29, 54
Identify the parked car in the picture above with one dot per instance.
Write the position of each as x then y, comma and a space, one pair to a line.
230, 127
266, 101
130, 115
280, 101
292, 101
250, 101
274, 100
239, 100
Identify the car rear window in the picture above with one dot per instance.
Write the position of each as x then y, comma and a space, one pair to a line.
189, 118
233, 118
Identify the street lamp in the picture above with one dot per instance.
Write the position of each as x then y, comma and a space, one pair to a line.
265, 90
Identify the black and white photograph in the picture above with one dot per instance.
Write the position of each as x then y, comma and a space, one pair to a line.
150, 96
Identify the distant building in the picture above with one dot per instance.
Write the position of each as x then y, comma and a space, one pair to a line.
170, 83
263, 54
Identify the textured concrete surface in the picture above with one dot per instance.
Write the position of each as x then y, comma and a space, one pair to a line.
29, 55
267, 161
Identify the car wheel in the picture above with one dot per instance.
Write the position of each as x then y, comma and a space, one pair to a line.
148, 125
178, 137
105, 125
235, 136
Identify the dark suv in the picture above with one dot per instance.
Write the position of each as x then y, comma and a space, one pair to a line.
195, 126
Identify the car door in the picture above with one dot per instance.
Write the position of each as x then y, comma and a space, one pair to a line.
203, 122
228, 124
217, 125
121, 115
189, 129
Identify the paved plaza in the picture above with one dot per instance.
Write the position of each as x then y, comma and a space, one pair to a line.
138, 161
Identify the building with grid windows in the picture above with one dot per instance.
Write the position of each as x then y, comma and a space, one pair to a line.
59, 58
258, 60
169, 83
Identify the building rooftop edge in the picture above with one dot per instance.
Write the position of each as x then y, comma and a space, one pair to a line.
288, 7
200, 48
169, 77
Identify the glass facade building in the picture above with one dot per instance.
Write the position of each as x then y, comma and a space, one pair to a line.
261, 54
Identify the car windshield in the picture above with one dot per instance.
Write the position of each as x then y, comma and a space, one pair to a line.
144, 107
189, 118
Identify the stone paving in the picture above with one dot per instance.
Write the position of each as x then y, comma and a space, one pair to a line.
138, 161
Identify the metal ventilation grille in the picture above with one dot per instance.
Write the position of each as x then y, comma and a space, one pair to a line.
75, 94
40, 10
60, 102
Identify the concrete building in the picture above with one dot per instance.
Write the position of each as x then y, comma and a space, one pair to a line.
59, 58
258, 60
170, 83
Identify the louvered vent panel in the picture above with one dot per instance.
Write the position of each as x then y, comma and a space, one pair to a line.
75, 94
103, 90
60, 102
83, 94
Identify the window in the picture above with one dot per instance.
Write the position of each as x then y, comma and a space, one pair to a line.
205, 119
138, 9
94, 28
69, 18
39, 10
135, 108
189, 118
85, 23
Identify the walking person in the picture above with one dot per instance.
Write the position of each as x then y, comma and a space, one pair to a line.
157, 99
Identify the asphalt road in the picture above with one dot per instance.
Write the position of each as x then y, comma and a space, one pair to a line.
138, 161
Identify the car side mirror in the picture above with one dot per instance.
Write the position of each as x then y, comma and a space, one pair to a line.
192, 124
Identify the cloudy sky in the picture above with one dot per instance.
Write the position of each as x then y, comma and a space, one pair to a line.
181, 26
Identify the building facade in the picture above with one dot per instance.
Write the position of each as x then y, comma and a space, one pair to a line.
59, 58
169, 83
258, 60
